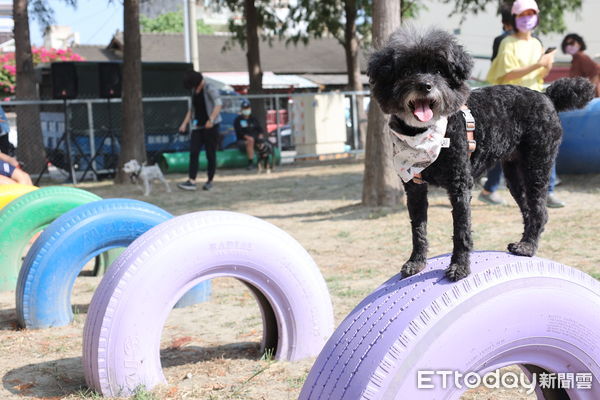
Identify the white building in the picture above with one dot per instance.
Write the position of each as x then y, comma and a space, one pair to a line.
60, 37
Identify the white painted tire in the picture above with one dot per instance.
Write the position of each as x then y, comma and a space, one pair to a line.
121, 348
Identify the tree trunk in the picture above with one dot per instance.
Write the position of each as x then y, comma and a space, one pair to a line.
255, 72
381, 184
133, 144
351, 48
30, 148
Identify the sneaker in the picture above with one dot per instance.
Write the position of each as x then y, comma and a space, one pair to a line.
492, 198
207, 186
187, 185
553, 202
558, 181
250, 167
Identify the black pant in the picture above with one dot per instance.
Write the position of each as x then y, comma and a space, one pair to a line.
5, 146
209, 138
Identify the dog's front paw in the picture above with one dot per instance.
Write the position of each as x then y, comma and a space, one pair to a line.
412, 267
457, 272
522, 249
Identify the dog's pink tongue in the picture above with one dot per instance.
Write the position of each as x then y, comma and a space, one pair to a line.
422, 111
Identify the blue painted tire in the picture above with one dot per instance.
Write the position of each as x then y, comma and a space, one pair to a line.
49, 271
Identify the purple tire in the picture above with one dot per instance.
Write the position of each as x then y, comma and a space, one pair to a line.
122, 331
510, 310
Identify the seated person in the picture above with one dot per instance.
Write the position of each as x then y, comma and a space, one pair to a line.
247, 129
10, 171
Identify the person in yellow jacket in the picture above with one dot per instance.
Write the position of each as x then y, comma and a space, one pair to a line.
521, 60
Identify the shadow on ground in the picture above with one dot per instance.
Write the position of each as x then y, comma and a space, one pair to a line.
65, 376
8, 320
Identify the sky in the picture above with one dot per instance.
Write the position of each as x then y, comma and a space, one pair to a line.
95, 20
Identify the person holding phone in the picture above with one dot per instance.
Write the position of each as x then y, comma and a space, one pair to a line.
204, 118
522, 61
521, 57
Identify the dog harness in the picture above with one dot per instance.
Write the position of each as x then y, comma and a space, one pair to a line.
412, 154
470, 129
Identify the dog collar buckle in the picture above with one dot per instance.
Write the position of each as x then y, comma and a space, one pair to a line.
418, 179
469, 128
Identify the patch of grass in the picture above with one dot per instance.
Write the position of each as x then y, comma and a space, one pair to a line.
349, 292
367, 272
296, 382
378, 213
343, 234
87, 393
268, 355
595, 275
141, 393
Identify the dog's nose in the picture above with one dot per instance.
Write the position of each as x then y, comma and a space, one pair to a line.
426, 86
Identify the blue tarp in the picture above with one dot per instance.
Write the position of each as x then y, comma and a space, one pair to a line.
580, 149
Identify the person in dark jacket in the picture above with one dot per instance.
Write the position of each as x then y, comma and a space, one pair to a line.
204, 118
247, 129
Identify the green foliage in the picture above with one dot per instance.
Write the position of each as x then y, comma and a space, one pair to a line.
551, 11
328, 17
41, 11
141, 393
270, 26
171, 22
307, 18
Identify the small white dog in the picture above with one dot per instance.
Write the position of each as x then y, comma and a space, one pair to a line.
147, 173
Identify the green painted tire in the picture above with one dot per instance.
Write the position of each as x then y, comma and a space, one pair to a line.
230, 158
25, 216
104, 260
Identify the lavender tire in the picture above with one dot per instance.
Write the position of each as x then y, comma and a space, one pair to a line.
54, 261
27, 215
121, 344
510, 310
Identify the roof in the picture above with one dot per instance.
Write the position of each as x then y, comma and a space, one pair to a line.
95, 53
333, 79
320, 56
269, 81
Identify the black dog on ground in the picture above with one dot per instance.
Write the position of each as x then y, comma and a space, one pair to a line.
264, 151
420, 80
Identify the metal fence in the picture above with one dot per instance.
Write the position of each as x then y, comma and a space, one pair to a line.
90, 129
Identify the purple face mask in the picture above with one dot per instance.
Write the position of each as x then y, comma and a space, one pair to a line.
526, 23
572, 49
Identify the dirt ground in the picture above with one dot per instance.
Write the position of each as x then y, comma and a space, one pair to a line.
211, 350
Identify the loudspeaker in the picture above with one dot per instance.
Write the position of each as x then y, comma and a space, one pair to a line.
109, 74
64, 80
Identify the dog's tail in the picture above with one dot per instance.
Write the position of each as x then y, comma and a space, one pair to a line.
570, 93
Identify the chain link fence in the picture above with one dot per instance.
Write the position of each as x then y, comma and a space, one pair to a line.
82, 137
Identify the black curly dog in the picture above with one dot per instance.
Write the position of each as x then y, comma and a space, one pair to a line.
425, 74
264, 151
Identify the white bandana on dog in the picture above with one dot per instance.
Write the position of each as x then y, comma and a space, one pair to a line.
412, 154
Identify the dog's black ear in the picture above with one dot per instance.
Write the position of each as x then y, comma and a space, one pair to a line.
461, 63
381, 64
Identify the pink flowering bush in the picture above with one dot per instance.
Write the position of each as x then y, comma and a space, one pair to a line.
8, 70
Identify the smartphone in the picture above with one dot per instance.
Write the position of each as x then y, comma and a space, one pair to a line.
549, 49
